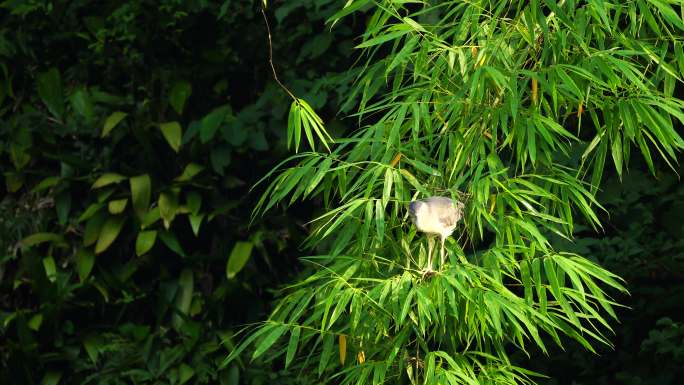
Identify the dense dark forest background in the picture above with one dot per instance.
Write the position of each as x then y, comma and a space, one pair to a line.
108, 107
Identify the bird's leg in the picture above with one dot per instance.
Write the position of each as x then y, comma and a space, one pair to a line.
431, 245
442, 254
428, 272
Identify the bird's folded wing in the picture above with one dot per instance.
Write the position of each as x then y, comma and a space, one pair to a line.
450, 217
448, 221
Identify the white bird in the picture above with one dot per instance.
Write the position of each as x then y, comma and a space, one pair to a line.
436, 216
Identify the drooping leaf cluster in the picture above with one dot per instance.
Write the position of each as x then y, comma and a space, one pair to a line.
512, 107
642, 243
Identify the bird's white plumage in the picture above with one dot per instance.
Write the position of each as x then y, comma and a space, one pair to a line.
427, 221
438, 216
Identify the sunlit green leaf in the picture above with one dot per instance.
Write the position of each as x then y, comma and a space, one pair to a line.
239, 256
189, 172
145, 241
38, 238
269, 340
326, 354
109, 232
383, 38
35, 322
292, 346
107, 179
112, 121
168, 206
195, 222
50, 268
172, 133
117, 206
47, 183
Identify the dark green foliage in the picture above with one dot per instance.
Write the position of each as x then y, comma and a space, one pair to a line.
130, 135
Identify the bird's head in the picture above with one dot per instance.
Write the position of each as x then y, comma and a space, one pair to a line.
413, 210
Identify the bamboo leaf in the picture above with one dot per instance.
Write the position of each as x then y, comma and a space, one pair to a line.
383, 38
320, 173
387, 186
326, 354
616, 151
350, 7
292, 346
269, 340
380, 220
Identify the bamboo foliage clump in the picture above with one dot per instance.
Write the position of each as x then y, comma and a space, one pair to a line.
515, 108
